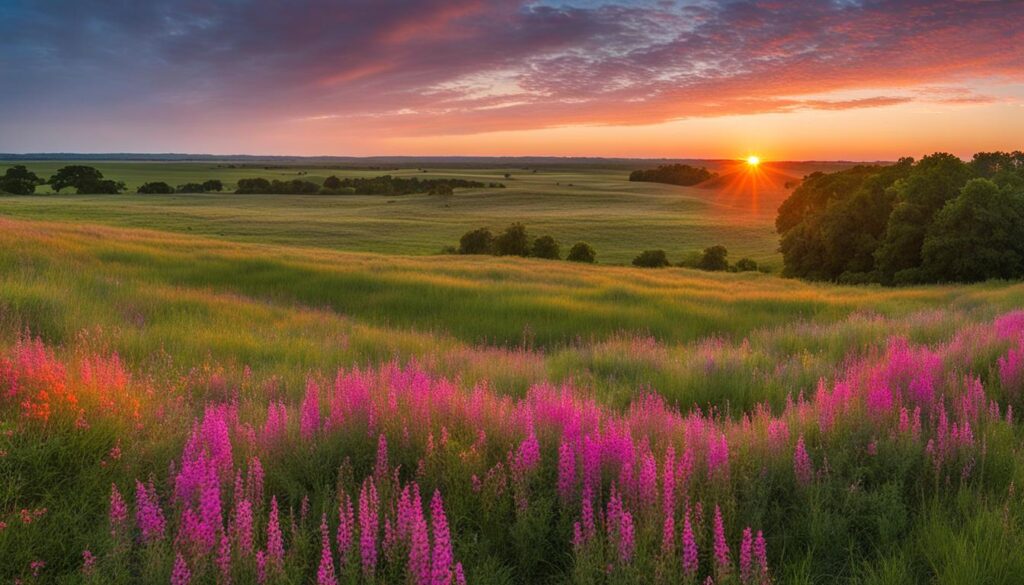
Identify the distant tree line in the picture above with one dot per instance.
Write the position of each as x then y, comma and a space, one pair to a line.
162, 188
939, 219
384, 185
18, 180
515, 241
712, 259
678, 174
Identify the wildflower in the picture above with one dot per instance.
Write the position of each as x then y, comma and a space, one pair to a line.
441, 564
460, 576
37, 567
690, 559
118, 511
802, 464
368, 526
180, 575
761, 559
88, 562
346, 527
243, 526
275, 542
148, 514
325, 573
224, 558
721, 546
419, 547
626, 536
746, 550
261, 567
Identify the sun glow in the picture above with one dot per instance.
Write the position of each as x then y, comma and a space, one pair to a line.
753, 160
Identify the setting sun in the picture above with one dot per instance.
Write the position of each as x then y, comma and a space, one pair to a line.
753, 160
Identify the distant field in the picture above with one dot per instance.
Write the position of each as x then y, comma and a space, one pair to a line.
600, 206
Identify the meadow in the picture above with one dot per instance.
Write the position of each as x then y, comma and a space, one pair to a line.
259, 399
570, 202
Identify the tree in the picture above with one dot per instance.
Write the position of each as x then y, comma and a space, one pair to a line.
104, 187
976, 236
191, 188
18, 180
332, 183
677, 174
213, 185
514, 241
253, 186
714, 258
745, 265
651, 259
478, 241
546, 247
84, 179
931, 183
581, 252
157, 187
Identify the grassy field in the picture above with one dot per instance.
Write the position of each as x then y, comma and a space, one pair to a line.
182, 406
596, 205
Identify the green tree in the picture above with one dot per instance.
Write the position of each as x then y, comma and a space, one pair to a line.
976, 236
257, 185
156, 187
931, 183
546, 247
514, 241
213, 185
191, 188
715, 258
582, 252
746, 265
651, 259
332, 183
82, 178
18, 180
478, 241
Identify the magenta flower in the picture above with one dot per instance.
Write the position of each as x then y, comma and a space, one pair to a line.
746, 553
722, 561
243, 526
690, 558
180, 574
626, 537
369, 524
761, 559
346, 527
802, 466
148, 514
275, 541
460, 576
309, 412
441, 565
118, 514
325, 573
419, 546
224, 558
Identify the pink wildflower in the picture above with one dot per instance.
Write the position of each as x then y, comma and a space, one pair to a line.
721, 546
325, 573
180, 575
441, 564
802, 466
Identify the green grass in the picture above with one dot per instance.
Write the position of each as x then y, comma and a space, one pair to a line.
600, 206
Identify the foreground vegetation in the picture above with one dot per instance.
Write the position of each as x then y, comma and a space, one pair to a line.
459, 415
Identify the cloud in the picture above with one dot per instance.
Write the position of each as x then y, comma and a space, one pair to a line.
425, 67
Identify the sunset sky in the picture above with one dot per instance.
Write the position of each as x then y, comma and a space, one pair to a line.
840, 79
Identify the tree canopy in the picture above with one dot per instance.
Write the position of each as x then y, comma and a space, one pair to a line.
872, 223
678, 174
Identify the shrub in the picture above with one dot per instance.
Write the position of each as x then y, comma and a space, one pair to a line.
514, 241
478, 241
253, 186
546, 247
18, 180
746, 265
213, 185
332, 183
84, 179
156, 188
191, 188
679, 174
443, 189
582, 252
714, 259
651, 259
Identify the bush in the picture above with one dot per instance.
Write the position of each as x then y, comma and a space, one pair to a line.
332, 184
191, 188
253, 186
582, 252
443, 189
478, 241
104, 187
18, 180
546, 247
714, 259
513, 241
651, 259
746, 265
155, 188
213, 185
684, 175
